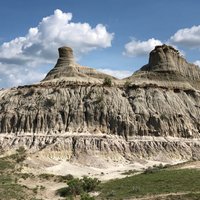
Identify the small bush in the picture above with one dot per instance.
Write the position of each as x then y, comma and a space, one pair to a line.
20, 155
42, 187
30, 92
46, 176
49, 102
35, 190
78, 186
66, 178
107, 82
63, 192
90, 184
129, 172
154, 169
127, 84
86, 196
75, 187
21, 150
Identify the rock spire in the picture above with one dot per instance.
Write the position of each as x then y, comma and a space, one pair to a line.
67, 68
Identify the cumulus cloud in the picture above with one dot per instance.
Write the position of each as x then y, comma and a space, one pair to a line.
140, 48
188, 37
117, 73
197, 62
38, 47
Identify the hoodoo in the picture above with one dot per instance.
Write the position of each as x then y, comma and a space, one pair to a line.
67, 68
167, 68
72, 114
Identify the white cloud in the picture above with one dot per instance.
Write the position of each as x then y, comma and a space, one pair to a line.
39, 46
140, 48
117, 73
197, 62
13, 75
188, 37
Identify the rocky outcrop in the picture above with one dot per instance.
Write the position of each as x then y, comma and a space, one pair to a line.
98, 109
161, 100
168, 68
95, 150
66, 68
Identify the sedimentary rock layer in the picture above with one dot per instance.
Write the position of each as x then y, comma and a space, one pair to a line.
162, 99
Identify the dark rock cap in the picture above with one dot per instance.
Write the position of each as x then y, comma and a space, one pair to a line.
164, 54
166, 63
65, 52
67, 67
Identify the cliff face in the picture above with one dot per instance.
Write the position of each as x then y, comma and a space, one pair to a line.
98, 109
71, 112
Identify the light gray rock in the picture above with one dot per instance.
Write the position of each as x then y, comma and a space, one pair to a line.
67, 67
107, 120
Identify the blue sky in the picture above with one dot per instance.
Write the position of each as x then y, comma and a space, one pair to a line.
111, 35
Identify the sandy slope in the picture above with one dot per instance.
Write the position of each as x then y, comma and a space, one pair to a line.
112, 170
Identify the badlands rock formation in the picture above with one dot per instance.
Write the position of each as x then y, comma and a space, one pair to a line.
66, 67
72, 114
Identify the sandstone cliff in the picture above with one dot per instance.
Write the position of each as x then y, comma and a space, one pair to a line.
154, 114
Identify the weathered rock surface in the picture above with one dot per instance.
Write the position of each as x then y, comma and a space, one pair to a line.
66, 67
168, 68
71, 113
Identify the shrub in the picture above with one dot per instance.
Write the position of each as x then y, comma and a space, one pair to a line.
63, 192
78, 186
127, 84
21, 150
20, 155
49, 102
30, 92
90, 184
86, 196
154, 169
46, 176
129, 172
68, 177
107, 81
75, 187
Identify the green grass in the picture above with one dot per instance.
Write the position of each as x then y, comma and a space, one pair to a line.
9, 188
5, 165
130, 172
160, 182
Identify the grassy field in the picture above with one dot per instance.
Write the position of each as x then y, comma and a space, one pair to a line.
160, 182
154, 184
9, 188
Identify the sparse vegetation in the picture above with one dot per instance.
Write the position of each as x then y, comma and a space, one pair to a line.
46, 176
86, 196
107, 82
20, 155
181, 184
30, 92
130, 172
89, 184
65, 178
127, 84
78, 186
155, 168
9, 187
160, 182
49, 102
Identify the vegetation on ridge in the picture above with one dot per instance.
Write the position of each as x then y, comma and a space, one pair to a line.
81, 187
156, 183
163, 181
